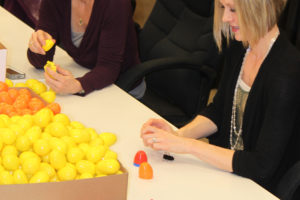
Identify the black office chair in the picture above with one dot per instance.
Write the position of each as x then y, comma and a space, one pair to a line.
289, 186
290, 23
174, 46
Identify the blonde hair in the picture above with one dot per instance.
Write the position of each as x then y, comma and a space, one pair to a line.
256, 18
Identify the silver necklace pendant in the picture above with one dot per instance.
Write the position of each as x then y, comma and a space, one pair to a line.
80, 22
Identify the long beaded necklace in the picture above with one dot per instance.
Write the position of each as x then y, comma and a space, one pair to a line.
233, 129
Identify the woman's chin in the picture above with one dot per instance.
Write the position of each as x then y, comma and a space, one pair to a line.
237, 37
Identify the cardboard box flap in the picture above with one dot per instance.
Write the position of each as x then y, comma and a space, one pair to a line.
3, 53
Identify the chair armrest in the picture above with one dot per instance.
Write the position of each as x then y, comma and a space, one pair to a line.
289, 182
137, 72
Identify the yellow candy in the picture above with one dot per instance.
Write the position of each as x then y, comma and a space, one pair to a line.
48, 96
110, 155
48, 169
30, 82
19, 177
97, 142
108, 138
58, 144
67, 173
11, 162
58, 129
9, 150
40, 177
39, 87
95, 153
28, 154
75, 154
75, 124
57, 159
80, 135
33, 133
8, 136
85, 176
41, 147
31, 165
1, 143
63, 118
85, 166
20, 85
48, 45
6, 119
23, 143
50, 65
109, 166
6, 178
43, 117
9, 82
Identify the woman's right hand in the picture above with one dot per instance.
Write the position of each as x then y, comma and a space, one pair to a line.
37, 41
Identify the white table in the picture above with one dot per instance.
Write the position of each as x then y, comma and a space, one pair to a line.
113, 110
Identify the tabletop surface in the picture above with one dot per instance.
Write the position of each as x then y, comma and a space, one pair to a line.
113, 110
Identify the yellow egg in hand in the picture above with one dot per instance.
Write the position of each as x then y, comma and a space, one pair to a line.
48, 45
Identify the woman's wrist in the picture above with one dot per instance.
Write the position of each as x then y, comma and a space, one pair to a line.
80, 90
188, 145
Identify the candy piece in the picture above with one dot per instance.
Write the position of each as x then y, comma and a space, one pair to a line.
139, 158
48, 45
50, 65
145, 171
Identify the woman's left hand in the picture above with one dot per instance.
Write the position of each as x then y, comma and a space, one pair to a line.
62, 81
159, 139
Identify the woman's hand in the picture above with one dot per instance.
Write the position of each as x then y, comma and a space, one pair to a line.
159, 135
37, 41
62, 81
158, 123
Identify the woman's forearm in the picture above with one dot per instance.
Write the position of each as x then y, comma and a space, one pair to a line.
200, 127
214, 155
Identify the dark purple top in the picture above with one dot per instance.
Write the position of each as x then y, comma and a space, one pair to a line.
108, 46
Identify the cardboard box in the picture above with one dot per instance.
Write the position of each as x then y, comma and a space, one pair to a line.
113, 187
3, 54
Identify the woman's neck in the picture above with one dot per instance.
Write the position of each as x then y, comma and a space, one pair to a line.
260, 48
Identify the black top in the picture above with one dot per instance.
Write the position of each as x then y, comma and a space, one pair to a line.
271, 117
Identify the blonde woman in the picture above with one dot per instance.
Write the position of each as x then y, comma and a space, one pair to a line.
253, 119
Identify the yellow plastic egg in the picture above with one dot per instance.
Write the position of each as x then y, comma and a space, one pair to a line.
48, 45
40, 177
57, 159
19, 177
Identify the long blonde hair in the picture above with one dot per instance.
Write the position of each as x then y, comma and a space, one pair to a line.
256, 18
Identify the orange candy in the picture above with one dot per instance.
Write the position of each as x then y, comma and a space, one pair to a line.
20, 102
55, 107
145, 171
7, 109
25, 91
5, 98
13, 93
35, 104
3, 87
25, 111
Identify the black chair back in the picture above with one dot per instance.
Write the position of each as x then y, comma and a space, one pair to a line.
177, 28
